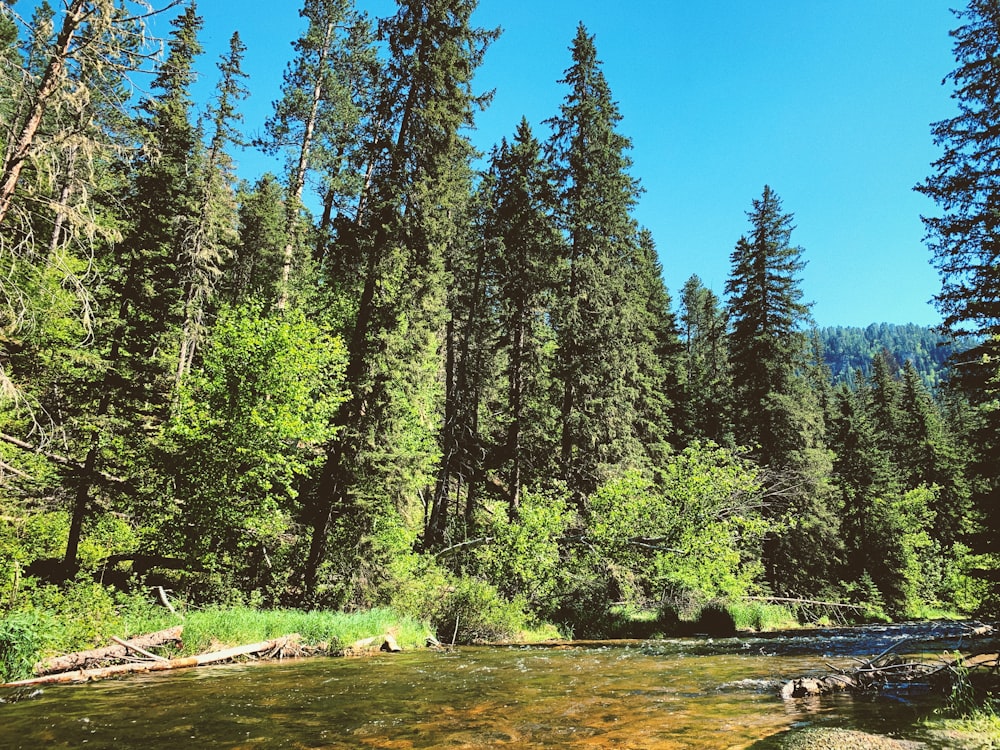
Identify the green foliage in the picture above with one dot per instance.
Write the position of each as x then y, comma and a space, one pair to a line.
849, 351
221, 627
760, 616
473, 611
701, 526
244, 432
21, 640
522, 558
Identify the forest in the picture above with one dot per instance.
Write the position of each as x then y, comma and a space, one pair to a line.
402, 373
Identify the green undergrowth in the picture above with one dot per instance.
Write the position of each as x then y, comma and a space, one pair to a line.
717, 619
65, 625
218, 628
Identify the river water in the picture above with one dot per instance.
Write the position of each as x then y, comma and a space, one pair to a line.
686, 693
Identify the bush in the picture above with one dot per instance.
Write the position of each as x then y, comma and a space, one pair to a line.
21, 638
715, 620
474, 612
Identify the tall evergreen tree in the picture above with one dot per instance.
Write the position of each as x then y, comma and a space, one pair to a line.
419, 190
964, 237
864, 475
767, 345
930, 456
316, 122
654, 370
211, 233
597, 197
529, 265
706, 400
255, 267
778, 413
144, 288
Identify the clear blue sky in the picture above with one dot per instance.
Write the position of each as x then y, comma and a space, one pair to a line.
827, 101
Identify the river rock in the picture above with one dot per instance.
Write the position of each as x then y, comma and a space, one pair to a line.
818, 738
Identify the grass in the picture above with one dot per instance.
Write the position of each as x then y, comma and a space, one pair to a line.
27, 637
217, 628
760, 616
978, 729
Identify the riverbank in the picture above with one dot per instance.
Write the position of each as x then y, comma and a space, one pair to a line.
28, 638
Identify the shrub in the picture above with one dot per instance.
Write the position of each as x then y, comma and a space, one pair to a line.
715, 620
21, 638
474, 612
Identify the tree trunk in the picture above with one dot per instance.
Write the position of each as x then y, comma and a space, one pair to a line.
51, 80
86, 675
81, 659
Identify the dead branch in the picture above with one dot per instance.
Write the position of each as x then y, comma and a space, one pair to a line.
92, 657
61, 460
141, 652
272, 648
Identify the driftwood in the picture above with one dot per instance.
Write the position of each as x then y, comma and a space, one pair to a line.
85, 659
273, 647
888, 669
369, 646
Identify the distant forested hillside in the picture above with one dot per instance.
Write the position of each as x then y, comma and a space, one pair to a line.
850, 349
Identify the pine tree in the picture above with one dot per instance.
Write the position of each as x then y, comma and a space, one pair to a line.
864, 474
706, 401
653, 373
417, 199
767, 344
929, 456
778, 413
211, 232
145, 290
317, 122
597, 197
521, 222
255, 267
964, 238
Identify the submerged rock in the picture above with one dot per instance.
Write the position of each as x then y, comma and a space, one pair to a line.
817, 738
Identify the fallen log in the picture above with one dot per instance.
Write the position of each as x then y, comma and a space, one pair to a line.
272, 647
370, 646
86, 659
887, 670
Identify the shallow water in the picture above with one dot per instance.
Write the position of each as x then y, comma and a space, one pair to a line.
684, 693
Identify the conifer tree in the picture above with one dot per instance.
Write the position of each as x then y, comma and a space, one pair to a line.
420, 187
64, 123
964, 237
211, 232
864, 474
778, 413
767, 344
316, 123
929, 456
255, 266
597, 196
706, 400
521, 221
653, 372
144, 282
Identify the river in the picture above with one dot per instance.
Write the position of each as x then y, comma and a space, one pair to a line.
686, 693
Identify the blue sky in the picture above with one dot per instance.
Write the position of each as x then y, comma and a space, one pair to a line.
827, 101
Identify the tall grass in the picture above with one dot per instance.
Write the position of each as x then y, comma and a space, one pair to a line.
21, 638
761, 616
217, 628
